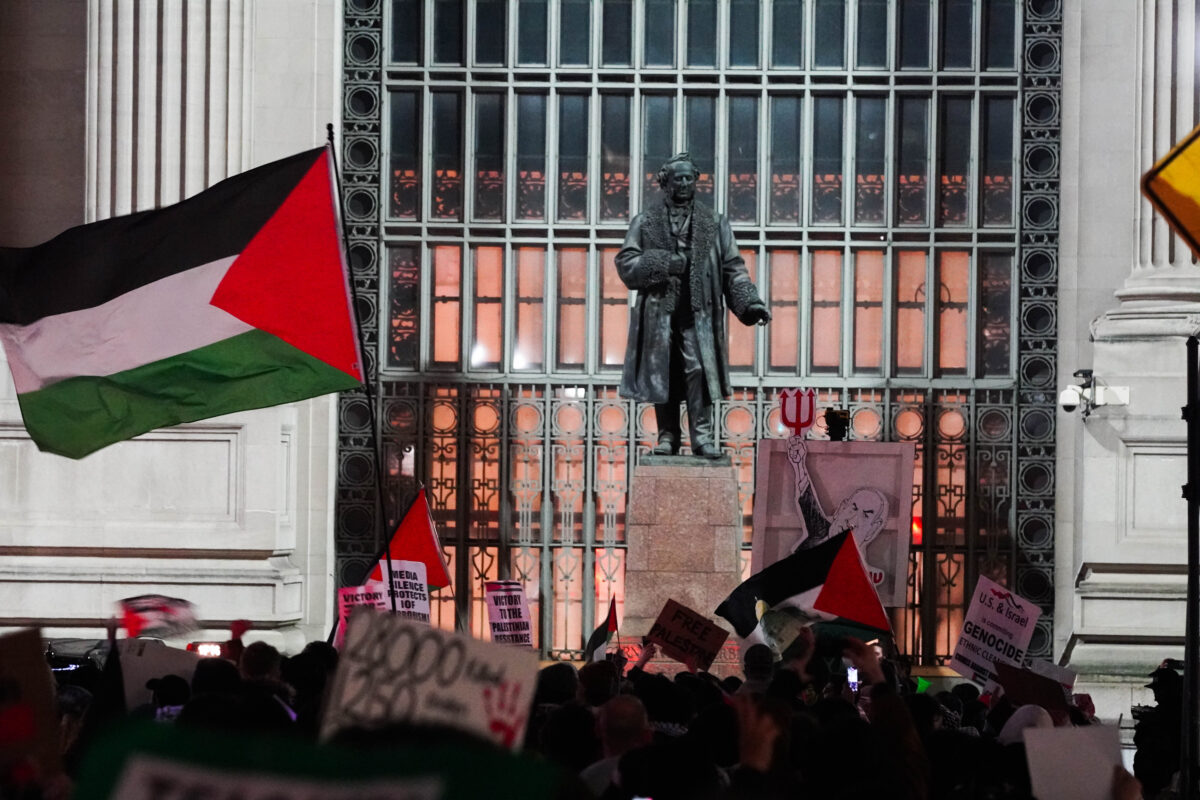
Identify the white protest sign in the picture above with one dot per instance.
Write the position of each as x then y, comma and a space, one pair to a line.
411, 590
143, 659
1072, 763
1054, 672
396, 670
998, 627
372, 594
508, 613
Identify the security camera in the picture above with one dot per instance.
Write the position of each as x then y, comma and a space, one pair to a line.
1070, 398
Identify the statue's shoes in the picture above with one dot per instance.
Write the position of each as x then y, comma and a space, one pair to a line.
706, 450
665, 449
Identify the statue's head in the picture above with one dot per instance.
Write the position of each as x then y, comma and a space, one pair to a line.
677, 177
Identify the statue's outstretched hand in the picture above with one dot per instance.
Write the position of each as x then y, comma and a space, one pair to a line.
756, 314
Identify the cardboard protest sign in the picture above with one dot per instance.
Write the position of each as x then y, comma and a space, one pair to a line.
28, 728
1063, 675
1071, 763
1025, 687
998, 627
508, 613
411, 590
687, 636
395, 670
143, 659
372, 594
151, 761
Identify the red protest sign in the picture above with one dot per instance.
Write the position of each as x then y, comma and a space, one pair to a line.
687, 636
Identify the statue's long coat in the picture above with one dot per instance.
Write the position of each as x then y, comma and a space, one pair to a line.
718, 278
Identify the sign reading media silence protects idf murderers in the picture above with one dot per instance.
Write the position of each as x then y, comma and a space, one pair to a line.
396, 670
409, 584
687, 636
508, 613
998, 628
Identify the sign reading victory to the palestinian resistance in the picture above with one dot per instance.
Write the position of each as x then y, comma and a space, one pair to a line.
508, 613
998, 627
394, 669
372, 594
687, 636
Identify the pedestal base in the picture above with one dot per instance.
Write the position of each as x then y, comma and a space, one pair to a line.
684, 531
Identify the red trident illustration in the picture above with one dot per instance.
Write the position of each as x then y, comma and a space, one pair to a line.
798, 409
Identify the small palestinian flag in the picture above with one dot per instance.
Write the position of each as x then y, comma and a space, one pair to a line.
823, 583
416, 539
233, 299
597, 643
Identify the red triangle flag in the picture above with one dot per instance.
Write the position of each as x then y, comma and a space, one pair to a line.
416, 539
848, 593
291, 281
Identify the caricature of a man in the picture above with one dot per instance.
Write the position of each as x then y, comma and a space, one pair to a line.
864, 511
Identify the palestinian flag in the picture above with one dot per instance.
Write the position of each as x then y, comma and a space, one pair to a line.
415, 539
597, 643
236, 298
823, 583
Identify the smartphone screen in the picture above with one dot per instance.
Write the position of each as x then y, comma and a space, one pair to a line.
852, 678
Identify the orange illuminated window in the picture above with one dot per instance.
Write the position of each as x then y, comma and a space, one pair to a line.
529, 353
614, 311
741, 337
953, 290
910, 312
826, 338
488, 341
784, 297
868, 311
447, 304
572, 307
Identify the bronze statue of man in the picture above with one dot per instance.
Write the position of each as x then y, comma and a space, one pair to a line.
681, 259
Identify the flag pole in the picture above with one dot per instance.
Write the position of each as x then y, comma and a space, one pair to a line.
368, 384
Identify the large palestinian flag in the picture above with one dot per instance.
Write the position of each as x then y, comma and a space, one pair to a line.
236, 298
825, 583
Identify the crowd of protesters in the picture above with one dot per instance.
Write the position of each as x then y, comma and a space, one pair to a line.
783, 729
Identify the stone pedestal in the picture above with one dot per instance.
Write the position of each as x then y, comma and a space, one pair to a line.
683, 527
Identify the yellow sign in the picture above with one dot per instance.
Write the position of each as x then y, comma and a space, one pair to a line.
1173, 186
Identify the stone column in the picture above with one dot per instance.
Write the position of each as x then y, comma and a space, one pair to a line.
684, 532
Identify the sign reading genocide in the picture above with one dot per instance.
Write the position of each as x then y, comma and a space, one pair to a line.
411, 590
508, 613
687, 636
396, 670
998, 627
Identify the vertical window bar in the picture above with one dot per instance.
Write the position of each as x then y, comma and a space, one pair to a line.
872, 36
487, 346
829, 34
448, 32
491, 32
572, 308
658, 140
614, 156
531, 32
701, 142
447, 199
658, 37
489, 157
912, 167
743, 33
405, 167
999, 36
572, 157
531, 156
914, 34
954, 161
617, 33
787, 34
826, 318
446, 306
784, 198
406, 32
957, 34
529, 349
701, 33
575, 33
994, 337
742, 202
870, 161
827, 160
998, 154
